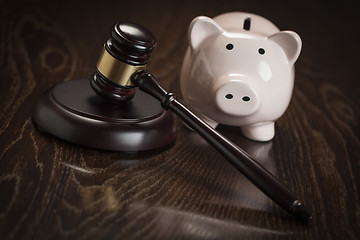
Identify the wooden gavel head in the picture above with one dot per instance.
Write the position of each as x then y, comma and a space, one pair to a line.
126, 52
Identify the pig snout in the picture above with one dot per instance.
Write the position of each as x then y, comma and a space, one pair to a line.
236, 98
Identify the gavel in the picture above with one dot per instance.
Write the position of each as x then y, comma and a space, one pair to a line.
122, 67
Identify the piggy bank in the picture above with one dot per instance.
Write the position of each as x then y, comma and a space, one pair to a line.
239, 70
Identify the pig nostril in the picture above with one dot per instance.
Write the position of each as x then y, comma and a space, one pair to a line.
229, 46
246, 99
229, 96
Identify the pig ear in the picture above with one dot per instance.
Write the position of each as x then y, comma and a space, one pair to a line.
200, 28
290, 43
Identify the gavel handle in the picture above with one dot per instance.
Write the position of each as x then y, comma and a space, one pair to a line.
257, 174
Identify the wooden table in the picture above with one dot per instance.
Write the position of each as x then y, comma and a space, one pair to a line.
51, 189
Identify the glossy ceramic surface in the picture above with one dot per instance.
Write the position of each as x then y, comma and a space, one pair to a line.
239, 70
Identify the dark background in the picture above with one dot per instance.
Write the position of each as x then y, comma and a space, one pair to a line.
50, 189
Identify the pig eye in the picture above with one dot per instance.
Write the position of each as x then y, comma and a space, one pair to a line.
261, 51
229, 46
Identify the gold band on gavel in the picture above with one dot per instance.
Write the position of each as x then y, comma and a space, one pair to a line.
115, 70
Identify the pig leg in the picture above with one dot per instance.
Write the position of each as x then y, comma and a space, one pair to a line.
259, 132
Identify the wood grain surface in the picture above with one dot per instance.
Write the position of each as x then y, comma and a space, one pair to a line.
51, 189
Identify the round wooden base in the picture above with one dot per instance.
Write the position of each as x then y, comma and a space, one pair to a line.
72, 111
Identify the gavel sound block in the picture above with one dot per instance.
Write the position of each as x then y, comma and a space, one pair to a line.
103, 114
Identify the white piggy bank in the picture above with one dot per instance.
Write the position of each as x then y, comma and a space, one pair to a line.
238, 70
